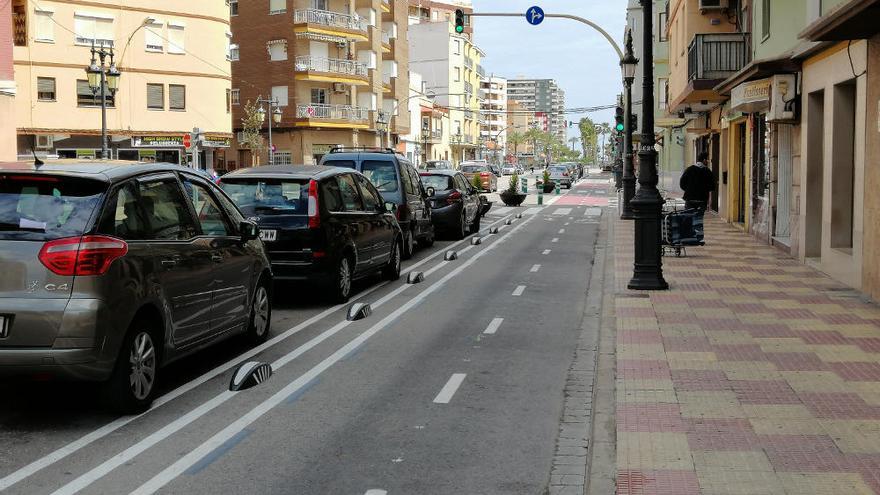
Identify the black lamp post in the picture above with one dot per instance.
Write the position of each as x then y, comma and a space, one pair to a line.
426, 134
647, 203
275, 108
101, 79
628, 65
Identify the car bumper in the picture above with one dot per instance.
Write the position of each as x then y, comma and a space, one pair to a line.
318, 270
69, 364
446, 217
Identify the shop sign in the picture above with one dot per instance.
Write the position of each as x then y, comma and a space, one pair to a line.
157, 141
216, 141
751, 96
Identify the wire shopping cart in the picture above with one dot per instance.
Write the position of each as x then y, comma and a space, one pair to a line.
680, 229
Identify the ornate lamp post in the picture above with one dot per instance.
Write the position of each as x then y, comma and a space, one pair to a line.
628, 66
647, 203
275, 108
426, 134
382, 126
101, 79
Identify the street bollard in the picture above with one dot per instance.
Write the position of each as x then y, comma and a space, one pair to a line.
541, 194
525, 185
557, 188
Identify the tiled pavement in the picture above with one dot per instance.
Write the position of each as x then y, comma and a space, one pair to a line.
754, 374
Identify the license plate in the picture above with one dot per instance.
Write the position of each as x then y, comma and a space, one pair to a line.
268, 235
4, 327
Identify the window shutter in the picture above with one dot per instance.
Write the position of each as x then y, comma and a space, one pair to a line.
279, 93
156, 96
104, 32
277, 6
84, 27
176, 97
175, 39
45, 29
46, 85
153, 37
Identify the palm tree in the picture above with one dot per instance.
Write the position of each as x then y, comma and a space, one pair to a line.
515, 139
604, 129
573, 141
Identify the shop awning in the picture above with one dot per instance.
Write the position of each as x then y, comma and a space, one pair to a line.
853, 20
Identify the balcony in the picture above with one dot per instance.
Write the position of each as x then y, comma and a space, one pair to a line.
468, 114
469, 63
386, 5
339, 116
322, 69
432, 136
386, 42
480, 71
325, 22
718, 56
468, 88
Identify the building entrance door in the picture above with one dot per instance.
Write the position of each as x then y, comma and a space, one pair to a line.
741, 174
783, 181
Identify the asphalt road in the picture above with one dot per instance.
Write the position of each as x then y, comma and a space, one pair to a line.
453, 385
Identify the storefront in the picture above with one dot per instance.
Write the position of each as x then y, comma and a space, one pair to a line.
165, 149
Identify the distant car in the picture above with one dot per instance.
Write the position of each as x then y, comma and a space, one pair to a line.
319, 224
488, 179
438, 165
455, 204
399, 183
112, 270
509, 170
561, 175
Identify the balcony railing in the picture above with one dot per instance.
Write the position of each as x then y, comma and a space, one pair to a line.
332, 112
468, 87
386, 37
480, 70
468, 114
718, 56
468, 62
331, 65
330, 19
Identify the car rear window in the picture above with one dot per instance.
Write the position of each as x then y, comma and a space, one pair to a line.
474, 168
43, 207
383, 174
559, 169
438, 182
340, 163
255, 196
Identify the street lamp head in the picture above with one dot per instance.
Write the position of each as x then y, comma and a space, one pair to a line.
261, 113
113, 78
629, 62
93, 71
276, 115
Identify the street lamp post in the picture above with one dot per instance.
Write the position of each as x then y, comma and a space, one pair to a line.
382, 125
647, 203
275, 110
101, 79
426, 134
628, 65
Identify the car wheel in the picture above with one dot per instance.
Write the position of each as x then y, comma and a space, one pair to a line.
340, 289
132, 386
428, 240
462, 230
392, 269
475, 226
409, 244
261, 315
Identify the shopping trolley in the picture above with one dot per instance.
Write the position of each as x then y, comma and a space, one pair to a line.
680, 229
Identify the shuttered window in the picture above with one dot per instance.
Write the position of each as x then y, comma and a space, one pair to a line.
228, 100
279, 94
175, 38
46, 88
93, 28
236, 97
44, 28
277, 6
86, 98
153, 38
177, 97
156, 96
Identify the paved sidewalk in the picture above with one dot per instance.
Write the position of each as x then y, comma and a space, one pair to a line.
754, 374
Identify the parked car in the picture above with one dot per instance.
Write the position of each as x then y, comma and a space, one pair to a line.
398, 182
509, 170
438, 165
560, 174
324, 225
488, 180
455, 204
112, 270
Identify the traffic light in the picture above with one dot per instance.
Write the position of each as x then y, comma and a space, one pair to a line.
634, 122
459, 21
618, 119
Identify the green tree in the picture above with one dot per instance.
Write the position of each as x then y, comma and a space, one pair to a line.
515, 139
252, 126
477, 183
589, 138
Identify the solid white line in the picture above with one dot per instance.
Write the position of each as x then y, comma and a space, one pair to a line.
567, 223
493, 326
185, 462
555, 239
519, 290
562, 231
535, 268
546, 251
376, 491
449, 389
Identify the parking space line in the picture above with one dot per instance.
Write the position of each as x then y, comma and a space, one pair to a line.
449, 389
562, 231
493, 326
375, 491
535, 268
519, 290
546, 252
555, 239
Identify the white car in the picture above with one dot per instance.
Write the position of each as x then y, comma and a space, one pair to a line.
509, 170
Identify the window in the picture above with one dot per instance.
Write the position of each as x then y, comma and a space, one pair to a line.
382, 174
156, 96
456, 47
457, 74
44, 27
277, 50
283, 158
330, 195
351, 200
279, 94
85, 97
175, 38
277, 7
176, 97
233, 7
46, 88
209, 214
153, 41
663, 92
661, 25
319, 4
319, 96
372, 199
228, 100
233, 52
165, 211
92, 28
235, 96
123, 217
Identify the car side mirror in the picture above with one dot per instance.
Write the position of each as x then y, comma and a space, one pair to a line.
249, 230
390, 207
430, 191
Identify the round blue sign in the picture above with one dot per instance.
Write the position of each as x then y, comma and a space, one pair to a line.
535, 15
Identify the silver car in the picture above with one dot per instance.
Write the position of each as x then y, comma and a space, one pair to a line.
561, 175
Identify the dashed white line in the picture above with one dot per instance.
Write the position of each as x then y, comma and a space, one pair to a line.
376, 491
546, 252
519, 290
562, 231
535, 268
567, 223
555, 239
449, 389
493, 326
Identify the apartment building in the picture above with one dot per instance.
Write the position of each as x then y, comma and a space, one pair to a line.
174, 77
541, 96
429, 136
519, 121
424, 11
7, 86
450, 65
336, 69
493, 105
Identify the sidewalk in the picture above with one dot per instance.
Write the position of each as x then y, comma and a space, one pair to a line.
754, 374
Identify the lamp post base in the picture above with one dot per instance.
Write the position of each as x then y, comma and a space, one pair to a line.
629, 190
648, 268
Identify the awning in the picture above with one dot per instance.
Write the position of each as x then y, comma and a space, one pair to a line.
759, 69
853, 20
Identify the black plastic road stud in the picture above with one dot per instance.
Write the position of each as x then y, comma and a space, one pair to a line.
493, 230
415, 278
359, 311
476, 241
519, 215
249, 374
450, 255
508, 222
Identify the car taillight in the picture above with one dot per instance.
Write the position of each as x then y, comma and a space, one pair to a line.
314, 214
453, 198
86, 255
565, 174
484, 174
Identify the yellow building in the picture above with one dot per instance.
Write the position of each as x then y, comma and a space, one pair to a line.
175, 76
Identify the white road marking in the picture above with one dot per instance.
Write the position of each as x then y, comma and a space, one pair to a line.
185, 462
593, 211
555, 239
519, 290
567, 223
546, 252
534, 210
535, 268
562, 231
493, 326
562, 211
449, 389
376, 491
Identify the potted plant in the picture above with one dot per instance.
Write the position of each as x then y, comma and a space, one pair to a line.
548, 184
477, 183
511, 196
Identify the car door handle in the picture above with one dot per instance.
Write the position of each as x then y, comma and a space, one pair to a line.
170, 262
217, 258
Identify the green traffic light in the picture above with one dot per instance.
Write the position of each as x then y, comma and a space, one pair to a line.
459, 29
619, 127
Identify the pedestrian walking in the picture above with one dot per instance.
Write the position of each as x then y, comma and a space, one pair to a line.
697, 182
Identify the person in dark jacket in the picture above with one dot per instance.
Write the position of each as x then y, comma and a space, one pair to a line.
697, 182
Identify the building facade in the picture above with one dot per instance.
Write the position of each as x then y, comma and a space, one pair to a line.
519, 121
493, 104
8, 148
542, 96
429, 136
174, 77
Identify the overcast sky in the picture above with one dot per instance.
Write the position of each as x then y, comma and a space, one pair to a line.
579, 58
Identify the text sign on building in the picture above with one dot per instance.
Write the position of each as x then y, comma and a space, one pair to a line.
535, 15
216, 141
157, 141
751, 96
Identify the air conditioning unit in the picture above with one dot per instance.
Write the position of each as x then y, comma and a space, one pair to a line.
714, 4
45, 142
783, 99
338, 87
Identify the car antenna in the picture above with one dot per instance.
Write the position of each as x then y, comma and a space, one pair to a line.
37, 161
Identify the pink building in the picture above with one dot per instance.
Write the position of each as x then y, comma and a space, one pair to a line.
7, 85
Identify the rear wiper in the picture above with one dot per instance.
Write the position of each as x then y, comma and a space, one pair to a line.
6, 226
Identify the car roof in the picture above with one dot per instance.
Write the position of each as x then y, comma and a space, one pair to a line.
287, 171
440, 171
361, 155
103, 170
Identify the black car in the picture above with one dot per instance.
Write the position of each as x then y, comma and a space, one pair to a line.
456, 206
328, 225
398, 182
110, 270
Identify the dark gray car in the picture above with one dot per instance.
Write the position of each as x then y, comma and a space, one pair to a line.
112, 270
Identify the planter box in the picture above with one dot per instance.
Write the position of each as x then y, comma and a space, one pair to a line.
512, 199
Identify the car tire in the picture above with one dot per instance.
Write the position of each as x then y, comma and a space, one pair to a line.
340, 285
392, 269
261, 315
427, 241
409, 244
462, 231
475, 225
138, 362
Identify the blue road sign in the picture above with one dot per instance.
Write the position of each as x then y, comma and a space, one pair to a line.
535, 15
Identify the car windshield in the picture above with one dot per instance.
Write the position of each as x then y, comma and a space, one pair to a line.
438, 182
474, 168
382, 174
260, 196
42, 207
559, 169
339, 163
